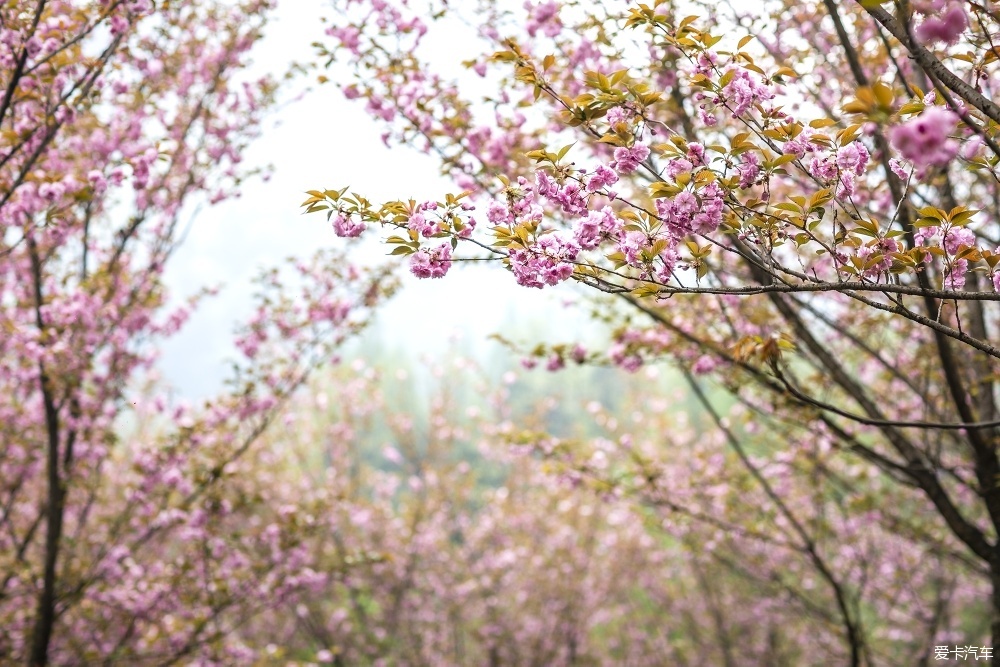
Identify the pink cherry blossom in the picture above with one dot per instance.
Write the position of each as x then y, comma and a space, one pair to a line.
347, 227
628, 160
432, 263
924, 140
945, 25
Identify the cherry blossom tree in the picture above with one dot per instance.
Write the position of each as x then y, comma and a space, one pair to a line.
119, 537
420, 563
793, 202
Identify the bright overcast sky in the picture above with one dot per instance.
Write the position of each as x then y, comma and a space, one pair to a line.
227, 243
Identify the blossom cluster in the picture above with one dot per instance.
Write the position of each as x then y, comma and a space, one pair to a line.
925, 140
944, 21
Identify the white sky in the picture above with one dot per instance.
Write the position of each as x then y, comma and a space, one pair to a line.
229, 242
